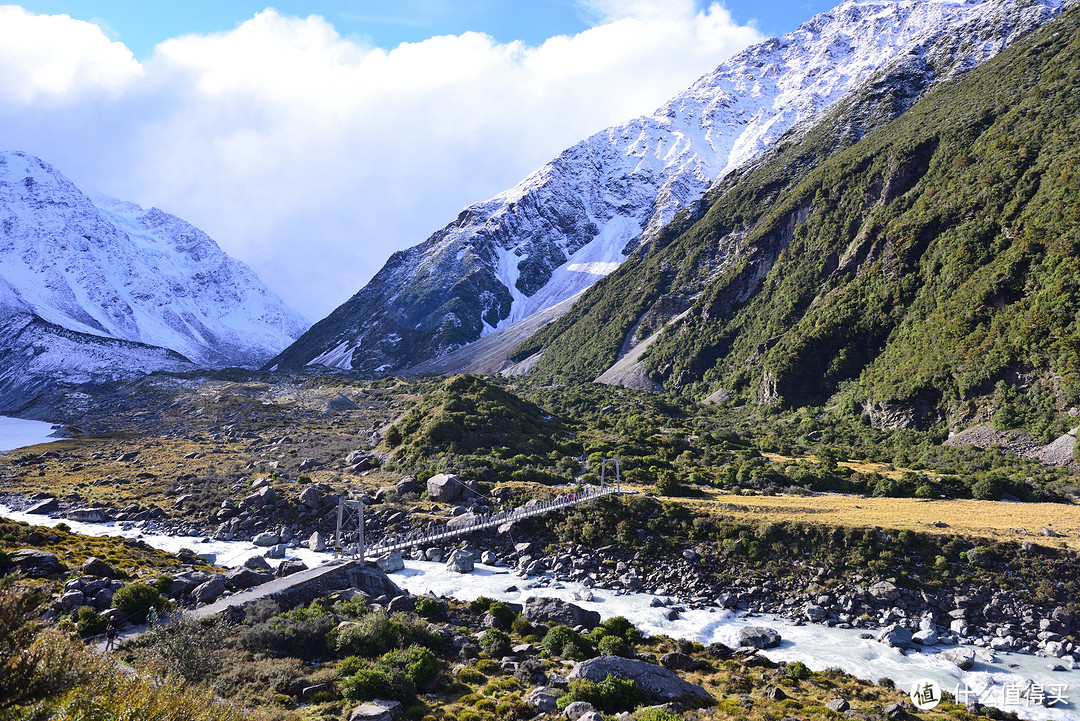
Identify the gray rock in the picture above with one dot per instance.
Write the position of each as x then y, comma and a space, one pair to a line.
309, 464
96, 567
925, 638
591, 716
71, 600
311, 498
815, 613
401, 604
488, 558
679, 661
578, 709
34, 563
444, 488
87, 515
895, 635
257, 563
377, 710
289, 567
963, 657
406, 485
391, 562
209, 591
463, 521
277, 551
49, 505
656, 683
266, 539
317, 542
460, 561
758, 637
774, 693
263, 497
555, 610
243, 578
838, 704
884, 592
542, 700
895, 710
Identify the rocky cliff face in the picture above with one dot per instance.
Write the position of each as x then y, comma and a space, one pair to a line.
577, 218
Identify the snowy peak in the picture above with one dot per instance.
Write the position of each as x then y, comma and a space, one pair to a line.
115, 270
577, 218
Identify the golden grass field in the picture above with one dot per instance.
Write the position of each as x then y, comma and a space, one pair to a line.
987, 519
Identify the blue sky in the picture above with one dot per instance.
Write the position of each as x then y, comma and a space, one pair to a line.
313, 139
386, 23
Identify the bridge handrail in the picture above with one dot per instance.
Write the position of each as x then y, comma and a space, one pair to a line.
418, 538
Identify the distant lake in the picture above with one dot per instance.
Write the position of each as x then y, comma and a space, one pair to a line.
18, 432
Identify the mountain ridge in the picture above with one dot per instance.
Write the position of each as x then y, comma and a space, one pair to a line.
577, 218
115, 277
923, 275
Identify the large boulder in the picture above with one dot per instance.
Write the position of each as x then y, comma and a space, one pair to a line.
88, 515
208, 592
290, 566
758, 637
71, 600
445, 487
896, 635
242, 577
317, 542
460, 561
266, 539
656, 683
963, 657
578, 710
94, 566
462, 521
884, 592
391, 562
555, 610
542, 699
34, 563
377, 710
310, 497
406, 485
49, 505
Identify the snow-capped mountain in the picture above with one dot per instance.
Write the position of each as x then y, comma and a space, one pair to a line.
100, 290
577, 218
115, 270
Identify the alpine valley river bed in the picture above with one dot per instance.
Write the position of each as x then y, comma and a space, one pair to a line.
995, 678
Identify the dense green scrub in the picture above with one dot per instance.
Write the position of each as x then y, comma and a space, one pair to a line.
928, 272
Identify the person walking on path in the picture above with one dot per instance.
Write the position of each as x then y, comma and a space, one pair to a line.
152, 617
110, 635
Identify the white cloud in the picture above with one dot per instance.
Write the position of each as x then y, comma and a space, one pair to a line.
55, 58
313, 157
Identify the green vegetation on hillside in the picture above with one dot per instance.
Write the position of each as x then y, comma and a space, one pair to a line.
928, 272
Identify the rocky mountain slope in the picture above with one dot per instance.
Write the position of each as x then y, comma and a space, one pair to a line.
927, 272
577, 218
100, 289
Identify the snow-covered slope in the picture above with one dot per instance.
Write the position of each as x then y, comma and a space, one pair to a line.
577, 218
117, 271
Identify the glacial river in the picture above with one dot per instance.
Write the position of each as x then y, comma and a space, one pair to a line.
994, 678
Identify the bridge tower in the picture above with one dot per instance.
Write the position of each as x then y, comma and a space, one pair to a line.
603, 472
349, 538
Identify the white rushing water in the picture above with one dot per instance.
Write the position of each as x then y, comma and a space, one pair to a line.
819, 647
19, 433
